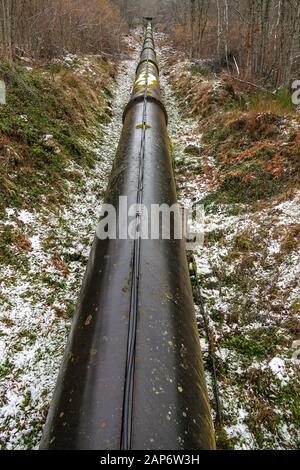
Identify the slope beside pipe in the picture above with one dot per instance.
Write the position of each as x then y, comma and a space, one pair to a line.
169, 409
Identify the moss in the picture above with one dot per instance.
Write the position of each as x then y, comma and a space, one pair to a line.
10, 254
244, 241
255, 149
216, 315
259, 344
6, 239
295, 307
49, 113
243, 132
237, 189
291, 241
5, 369
7, 321
223, 441
26, 334
216, 236
288, 397
26, 401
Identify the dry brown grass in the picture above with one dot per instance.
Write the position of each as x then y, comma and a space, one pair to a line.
270, 106
61, 266
293, 326
291, 239
22, 241
7, 321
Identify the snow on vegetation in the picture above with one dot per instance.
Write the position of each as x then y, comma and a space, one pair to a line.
41, 276
249, 265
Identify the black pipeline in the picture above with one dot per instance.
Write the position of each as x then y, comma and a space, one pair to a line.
132, 375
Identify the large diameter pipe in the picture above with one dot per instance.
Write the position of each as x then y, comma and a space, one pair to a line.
133, 378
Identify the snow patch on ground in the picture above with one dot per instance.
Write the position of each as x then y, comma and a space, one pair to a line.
251, 289
38, 297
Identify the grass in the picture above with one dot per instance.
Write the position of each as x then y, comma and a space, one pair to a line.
254, 143
279, 104
50, 112
12, 252
256, 151
235, 188
264, 170
259, 343
52, 119
5, 369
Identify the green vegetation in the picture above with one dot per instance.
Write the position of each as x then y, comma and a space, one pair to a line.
13, 248
50, 112
250, 135
235, 189
257, 345
5, 369
248, 265
278, 103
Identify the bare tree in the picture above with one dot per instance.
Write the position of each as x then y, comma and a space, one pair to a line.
45, 28
257, 38
6, 28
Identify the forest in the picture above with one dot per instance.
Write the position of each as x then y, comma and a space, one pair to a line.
259, 38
